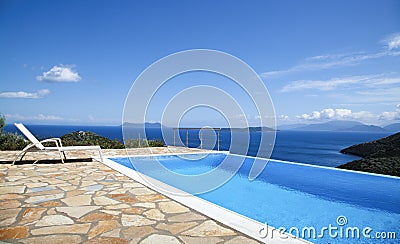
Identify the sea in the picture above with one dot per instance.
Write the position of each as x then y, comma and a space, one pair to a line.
309, 147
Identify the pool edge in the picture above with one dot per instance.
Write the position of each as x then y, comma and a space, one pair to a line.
225, 216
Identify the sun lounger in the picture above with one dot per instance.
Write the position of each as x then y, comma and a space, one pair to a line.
37, 145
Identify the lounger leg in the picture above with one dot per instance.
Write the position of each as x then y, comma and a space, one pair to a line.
19, 155
61, 156
101, 155
23, 155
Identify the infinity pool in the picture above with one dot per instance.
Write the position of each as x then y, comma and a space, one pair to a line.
318, 204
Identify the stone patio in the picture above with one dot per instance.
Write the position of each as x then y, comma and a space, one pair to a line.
86, 201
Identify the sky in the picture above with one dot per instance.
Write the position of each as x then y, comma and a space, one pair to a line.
74, 62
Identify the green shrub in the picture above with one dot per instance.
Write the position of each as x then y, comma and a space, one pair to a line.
2, 122
156, 143
87, 138
10, 141
135, 143
131, 143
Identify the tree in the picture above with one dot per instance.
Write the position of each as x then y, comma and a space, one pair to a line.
2, 122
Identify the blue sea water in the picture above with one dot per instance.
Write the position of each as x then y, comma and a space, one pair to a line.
315, 147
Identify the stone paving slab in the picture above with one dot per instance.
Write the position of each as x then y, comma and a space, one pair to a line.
88, 202
7, 156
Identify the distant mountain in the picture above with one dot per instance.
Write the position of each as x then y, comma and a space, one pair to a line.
158, 126
290, 127
393, 127
146, 125
250, 129
368, 128
263, 128
381, 156
337, 125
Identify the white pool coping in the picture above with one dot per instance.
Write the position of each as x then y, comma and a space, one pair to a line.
227, 217
167, 154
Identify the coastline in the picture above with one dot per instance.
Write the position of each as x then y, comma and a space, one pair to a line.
380, 156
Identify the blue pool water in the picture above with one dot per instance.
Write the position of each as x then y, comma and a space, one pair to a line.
293, 195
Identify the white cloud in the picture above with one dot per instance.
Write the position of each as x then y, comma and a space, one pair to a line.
376, 95
393, 115
309, 64
362, 81
40, 117
283, 117
328, 61
347, 114
22, 94
341, 113
384, 81
389, 116
313, 116
61, 73
392, 41
323, 85
47, 117
336, 114
322, 62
